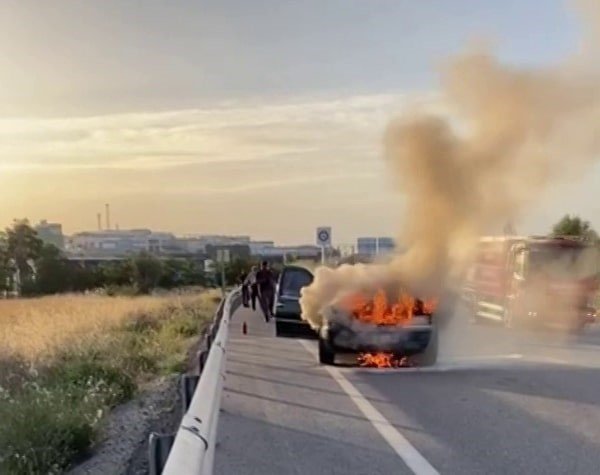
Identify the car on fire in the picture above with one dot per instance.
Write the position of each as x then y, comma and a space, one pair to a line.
549, 281
415, 339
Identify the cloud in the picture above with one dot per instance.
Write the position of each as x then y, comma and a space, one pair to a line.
321, 129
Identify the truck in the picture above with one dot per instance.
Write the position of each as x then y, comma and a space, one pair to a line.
534, 280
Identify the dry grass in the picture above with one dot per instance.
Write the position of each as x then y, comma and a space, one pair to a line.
66, 360
36, 328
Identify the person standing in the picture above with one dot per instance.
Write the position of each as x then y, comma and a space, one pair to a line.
253, 286
266, 289
245, 289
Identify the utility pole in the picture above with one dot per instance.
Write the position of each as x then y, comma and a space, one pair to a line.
107, 208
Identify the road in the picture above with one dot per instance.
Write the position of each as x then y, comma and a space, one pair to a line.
498, 402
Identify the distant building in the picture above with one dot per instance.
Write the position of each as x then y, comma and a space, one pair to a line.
386, 245
122, 242
236, 251
51, 233
290, 253
194, 244
258, 248
373, 246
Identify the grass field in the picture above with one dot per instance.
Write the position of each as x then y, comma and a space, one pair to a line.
66, 360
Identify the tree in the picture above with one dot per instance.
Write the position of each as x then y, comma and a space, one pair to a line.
148, 271
180, 272
117, 273
24, 247
5, 267
234, 269
575, 226
53, 274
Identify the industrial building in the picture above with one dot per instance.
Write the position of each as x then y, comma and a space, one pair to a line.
374, 246
50, 233
121, 242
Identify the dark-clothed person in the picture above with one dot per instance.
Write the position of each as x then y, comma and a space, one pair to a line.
266, 289
253, 286
245, 288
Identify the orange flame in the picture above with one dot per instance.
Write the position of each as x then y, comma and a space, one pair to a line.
379, 311
382, 360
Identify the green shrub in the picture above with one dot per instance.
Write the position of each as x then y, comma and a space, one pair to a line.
113, 290
42, 429
50, 416
110, 384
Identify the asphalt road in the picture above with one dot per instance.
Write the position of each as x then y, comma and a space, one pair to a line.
498, 402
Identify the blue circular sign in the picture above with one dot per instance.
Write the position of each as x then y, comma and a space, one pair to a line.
323, 235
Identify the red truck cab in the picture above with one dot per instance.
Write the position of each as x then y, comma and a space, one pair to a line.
545, 280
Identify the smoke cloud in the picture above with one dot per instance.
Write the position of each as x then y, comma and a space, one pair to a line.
512, 133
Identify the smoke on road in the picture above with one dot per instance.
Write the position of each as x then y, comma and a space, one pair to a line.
512, 133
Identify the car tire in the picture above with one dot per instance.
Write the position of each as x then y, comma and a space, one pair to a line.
279, 332
474, 319
429, 356
508, 318
326, 352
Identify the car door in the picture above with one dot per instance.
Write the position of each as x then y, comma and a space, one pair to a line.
287, 295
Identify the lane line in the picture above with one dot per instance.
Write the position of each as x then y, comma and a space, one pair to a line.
405, 450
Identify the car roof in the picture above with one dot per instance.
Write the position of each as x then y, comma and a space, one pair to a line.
299, 267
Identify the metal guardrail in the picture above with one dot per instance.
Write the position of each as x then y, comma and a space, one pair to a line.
192, 451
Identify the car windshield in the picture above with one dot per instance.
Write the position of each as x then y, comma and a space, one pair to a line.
564, 262
293, 280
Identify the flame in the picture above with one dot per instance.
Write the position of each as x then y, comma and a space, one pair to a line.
379, 311
382, 360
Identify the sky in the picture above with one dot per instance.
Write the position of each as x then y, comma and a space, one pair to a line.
229, 116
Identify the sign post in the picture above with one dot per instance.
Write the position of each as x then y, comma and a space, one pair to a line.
323, 240
222, 259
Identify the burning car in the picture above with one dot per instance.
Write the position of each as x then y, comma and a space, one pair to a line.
383, 329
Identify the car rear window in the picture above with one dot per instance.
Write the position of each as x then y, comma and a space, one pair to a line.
293, 280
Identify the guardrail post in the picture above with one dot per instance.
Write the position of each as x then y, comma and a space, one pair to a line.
208, 341
202, 356
159, 448
187, 388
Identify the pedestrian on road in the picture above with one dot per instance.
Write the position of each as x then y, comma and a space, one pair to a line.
266, 289
245, 288
253, 286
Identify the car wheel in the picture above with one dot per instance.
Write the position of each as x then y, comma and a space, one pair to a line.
279, 328
429, 356
472, 306
326, 353
508, 317
512, 317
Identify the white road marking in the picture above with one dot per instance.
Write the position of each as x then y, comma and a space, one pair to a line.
405, 450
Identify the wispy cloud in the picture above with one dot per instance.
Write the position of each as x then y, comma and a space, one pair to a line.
197, 136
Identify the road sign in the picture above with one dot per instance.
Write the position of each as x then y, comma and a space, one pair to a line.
324, 236
222, 255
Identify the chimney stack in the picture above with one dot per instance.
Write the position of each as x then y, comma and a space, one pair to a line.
107, 207
99, 216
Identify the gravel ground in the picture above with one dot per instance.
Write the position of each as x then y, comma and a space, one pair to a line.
123, 449
124, 445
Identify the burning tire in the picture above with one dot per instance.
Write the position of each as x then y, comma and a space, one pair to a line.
326, 352
429, 356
